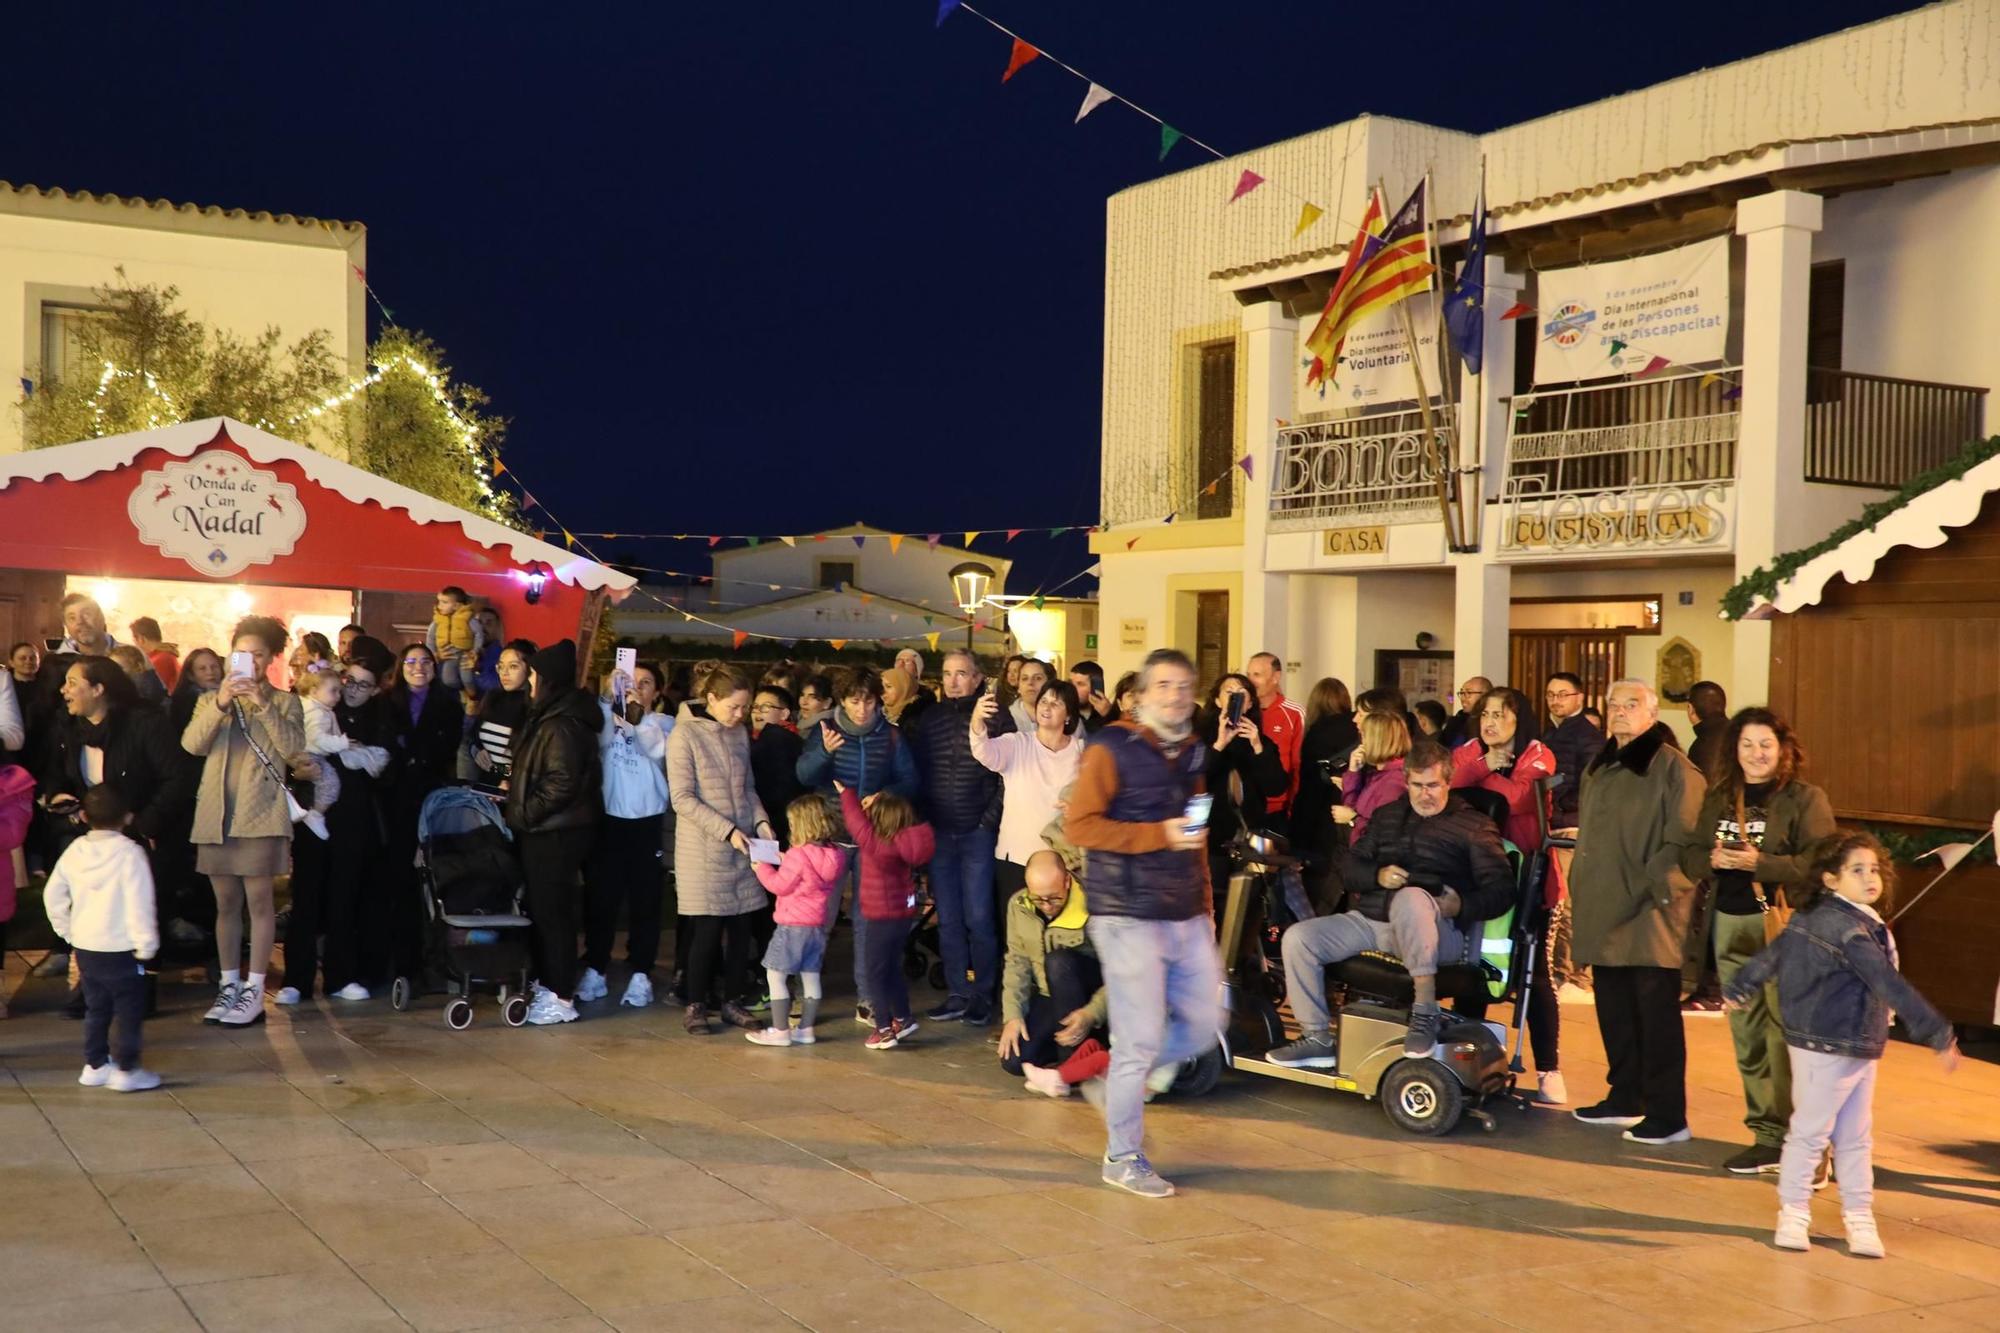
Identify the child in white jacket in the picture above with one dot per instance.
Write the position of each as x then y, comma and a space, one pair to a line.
100, 898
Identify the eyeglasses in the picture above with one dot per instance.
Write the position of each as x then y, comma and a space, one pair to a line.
1052, 900
424, 663
350, 683
1563, 694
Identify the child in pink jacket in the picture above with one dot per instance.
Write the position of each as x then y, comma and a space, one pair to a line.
806, 884
17, 808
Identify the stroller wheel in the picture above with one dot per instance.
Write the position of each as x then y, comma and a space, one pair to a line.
516, 1012
458, 1014
913, 966
401, 992
937, 976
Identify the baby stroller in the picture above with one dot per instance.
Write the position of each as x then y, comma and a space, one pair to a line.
474, 931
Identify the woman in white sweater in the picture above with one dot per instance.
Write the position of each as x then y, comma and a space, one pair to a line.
1034, 767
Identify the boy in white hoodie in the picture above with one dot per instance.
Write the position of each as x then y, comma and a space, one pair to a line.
100, 898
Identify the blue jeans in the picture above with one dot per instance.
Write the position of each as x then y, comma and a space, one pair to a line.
968, 940
1164, 983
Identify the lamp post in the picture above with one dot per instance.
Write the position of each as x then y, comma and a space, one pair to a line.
970, 582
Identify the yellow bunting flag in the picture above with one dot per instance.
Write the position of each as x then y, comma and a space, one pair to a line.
895, 542
569, 540
969, 536
1707, 380
838, 644
1308, 215
867, 597
789, 541
932, 640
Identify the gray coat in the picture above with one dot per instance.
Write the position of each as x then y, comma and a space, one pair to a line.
1631, 898
708, 776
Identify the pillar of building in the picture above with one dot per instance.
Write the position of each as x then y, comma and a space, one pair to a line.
1771, 429
1270, 337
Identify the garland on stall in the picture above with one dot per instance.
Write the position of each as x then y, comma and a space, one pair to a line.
1761, 584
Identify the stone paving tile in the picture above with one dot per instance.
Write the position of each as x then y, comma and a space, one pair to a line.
331, 1302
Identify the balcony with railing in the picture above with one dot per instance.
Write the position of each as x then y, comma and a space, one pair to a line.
1871, 430
1359, 470
1675, 430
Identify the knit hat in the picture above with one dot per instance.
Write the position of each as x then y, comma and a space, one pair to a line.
372, 655
554, 666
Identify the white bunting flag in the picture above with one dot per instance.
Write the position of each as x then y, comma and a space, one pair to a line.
1095, 98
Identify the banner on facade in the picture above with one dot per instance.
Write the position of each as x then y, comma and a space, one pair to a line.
1612, 319
1375, 361
217, 512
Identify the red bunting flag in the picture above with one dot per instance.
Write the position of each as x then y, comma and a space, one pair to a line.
1245, 183
1656, 365
1518, 309
742, 636
1019, 56
1012, 533
714, 541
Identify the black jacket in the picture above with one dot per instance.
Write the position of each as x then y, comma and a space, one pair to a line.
1707, 746
1458, 848
955, 792
774, 765
1574, 742
557, 781
428, 746
1260, 774
1323, 758
1459, 728
143, 761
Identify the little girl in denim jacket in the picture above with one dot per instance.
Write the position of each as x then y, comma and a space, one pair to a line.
1835, 965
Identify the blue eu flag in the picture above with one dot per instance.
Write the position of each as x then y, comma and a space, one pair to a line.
1465, 304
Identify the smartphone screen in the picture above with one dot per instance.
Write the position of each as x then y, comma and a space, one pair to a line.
1236, 708
1197, 812
243, 665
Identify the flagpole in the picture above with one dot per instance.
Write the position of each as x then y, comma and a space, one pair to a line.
1447, 396
1424, 406
1479, 403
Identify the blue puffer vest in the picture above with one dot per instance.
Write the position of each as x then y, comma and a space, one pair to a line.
1162, 885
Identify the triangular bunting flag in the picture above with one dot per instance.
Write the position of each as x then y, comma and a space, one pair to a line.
1012, 533
541, 534
1016, 58
1308, 215
1169, 136
1134, 542
931, 539
1210, 488
789, 541
1245, 183
741, 636
860, 540
1656, 365
1246, 463
1057, 532
1170, 518
1734, 391
569, 539
944, 10
1039, 601
1707, 380
932, 640
819, 536
895, 543
1616, 347
895, 619
838, 644
1095, 98
1518, 309
969, 536
929, 621
611, 536
755, 541
867, 597
499, 468
530, 500
714, 542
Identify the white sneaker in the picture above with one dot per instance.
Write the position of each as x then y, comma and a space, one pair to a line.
770, 1036
1571, 993
591, 986
96, 1076
134, 1080
545, 1008
803, 1037
353, 990
1550, 1089
224, 998
1862, 1237
638, 991
289, 995
1044, 1081
247, 1009
1793, 1229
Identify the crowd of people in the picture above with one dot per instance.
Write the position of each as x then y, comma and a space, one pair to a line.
1066, 843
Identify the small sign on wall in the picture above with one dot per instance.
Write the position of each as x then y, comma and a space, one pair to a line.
1090, 642
1132, 636
1678, 668
1357, 541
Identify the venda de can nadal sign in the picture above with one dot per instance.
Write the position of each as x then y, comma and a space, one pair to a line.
1612, 319
218, 513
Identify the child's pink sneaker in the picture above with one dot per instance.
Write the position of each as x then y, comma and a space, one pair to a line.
770, 1036
803, 1037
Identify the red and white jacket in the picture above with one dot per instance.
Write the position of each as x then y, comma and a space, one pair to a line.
1284, 725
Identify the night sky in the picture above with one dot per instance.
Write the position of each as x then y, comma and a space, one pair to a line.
699, 252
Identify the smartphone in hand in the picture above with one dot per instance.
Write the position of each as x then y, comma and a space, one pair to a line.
1197, 812
243, 666
1236, 709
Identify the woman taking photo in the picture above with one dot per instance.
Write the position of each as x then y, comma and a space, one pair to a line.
1244, 771
1754, 841
716, 814
1508, 760
246, 731
488, 751
624, 870
554, 803
1035, 767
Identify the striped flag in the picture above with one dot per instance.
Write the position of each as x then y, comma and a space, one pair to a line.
1321, 342
1394, 267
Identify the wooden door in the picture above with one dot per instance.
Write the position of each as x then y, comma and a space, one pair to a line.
1596, 656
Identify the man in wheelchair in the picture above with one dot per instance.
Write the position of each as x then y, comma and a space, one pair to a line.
1428, 870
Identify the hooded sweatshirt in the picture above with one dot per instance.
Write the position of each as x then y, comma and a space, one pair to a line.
100, 895
635, 764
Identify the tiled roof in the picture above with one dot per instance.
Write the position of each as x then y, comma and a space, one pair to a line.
168, 206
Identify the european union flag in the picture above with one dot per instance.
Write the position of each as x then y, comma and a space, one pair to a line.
1465, 304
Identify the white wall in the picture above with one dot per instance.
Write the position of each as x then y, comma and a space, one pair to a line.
1139, 585
912, 572
1339, 621
265, 273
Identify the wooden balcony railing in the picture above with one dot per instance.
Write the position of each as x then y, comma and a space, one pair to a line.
1872, 430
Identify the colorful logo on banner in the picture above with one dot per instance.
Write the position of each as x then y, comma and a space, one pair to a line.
1567, 328
217, 512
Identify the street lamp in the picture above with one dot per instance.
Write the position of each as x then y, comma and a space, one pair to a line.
970, 582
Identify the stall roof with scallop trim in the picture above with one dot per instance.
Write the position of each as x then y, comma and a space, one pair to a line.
1927, 520
88, 458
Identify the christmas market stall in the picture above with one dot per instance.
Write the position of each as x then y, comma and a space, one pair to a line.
1885, 657
198, 524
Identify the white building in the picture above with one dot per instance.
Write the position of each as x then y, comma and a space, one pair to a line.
1827, 212
237, 271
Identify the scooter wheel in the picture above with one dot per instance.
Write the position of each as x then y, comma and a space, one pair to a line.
1422, 1097
458, 1015
516, 1012
1199, 1076
401, 993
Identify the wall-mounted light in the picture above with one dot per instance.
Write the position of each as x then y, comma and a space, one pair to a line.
537, 576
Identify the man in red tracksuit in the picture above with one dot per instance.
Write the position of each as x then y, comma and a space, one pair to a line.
1284, 726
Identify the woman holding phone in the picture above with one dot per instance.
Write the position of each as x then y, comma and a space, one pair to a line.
1243, 768
1035, 767
246, 731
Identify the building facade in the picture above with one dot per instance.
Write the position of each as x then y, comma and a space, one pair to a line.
235, 270
1796, 251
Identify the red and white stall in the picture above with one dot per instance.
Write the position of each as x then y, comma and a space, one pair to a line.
201, 523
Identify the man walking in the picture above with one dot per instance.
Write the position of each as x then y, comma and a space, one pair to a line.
1284, 725
961, 800
1146, 868
1641, 800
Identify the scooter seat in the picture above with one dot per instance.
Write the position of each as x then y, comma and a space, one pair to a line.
1383, 977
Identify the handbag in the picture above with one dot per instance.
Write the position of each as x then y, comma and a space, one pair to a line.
1776, 911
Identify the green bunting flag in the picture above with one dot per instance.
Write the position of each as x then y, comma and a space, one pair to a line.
1169, 136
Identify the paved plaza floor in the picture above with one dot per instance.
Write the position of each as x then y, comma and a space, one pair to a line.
348, 1167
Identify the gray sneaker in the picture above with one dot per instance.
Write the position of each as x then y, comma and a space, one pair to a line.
1422, 1037
1313, 1050
1135, 1175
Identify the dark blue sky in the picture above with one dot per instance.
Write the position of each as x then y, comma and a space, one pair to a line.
697, 251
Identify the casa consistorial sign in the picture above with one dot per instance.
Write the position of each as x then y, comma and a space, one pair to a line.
217, 512
1639, 518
